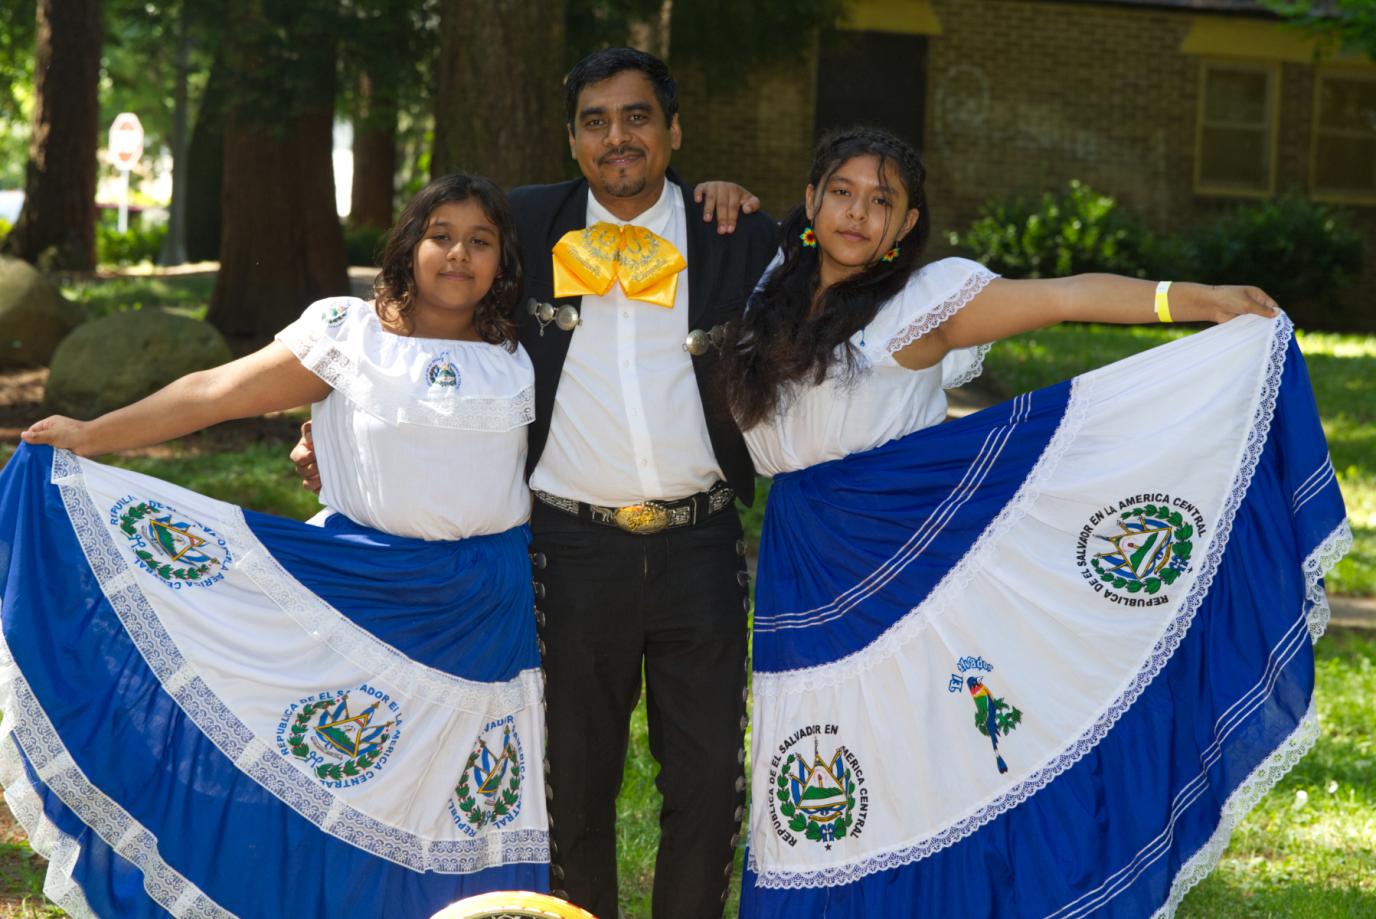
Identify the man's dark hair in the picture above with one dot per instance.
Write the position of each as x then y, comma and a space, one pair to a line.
607, 63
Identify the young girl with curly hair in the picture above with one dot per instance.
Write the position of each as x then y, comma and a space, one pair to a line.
210, 711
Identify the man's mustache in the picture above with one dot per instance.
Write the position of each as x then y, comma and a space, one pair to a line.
620, 151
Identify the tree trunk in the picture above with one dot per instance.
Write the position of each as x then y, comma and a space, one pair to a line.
174, 244
205, 167
499, 105
375, 155
57, 226
281, 245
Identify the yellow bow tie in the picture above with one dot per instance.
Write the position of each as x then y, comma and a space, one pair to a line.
591, 260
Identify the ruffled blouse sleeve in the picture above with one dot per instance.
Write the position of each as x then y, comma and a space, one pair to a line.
933, 294
440, 383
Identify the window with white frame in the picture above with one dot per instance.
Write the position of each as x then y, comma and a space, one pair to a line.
1344, 163
1235, 151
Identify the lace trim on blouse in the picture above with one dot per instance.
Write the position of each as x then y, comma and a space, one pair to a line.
336, 361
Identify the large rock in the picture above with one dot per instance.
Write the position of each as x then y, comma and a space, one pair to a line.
34, 317
113, 361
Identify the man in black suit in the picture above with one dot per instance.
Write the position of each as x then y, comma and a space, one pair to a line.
635, 465
633, 461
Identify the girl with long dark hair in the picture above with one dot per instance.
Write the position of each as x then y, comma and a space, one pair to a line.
214, 712
1040, 660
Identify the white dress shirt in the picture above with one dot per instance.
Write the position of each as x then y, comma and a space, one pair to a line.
628, 423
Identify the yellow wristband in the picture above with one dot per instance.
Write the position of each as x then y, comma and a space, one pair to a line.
1163, 307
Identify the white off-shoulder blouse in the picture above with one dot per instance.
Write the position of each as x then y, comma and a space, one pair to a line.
421, 437
884, 401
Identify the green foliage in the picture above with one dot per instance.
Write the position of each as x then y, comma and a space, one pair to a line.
138, 61
16, 89
1056, 235
1351, 23
1301, 252
361, 245
394, 44
16, 57
752, 518
5, 226
136, 246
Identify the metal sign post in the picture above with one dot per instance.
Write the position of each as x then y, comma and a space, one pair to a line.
126, 147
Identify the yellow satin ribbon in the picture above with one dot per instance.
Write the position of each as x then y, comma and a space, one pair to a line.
591, 260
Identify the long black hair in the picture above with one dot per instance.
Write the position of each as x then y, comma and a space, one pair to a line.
782, 340
394, 289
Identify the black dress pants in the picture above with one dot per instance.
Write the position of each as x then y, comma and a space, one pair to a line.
674, 604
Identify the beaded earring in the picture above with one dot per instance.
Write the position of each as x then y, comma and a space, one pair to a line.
809, 238
890, 255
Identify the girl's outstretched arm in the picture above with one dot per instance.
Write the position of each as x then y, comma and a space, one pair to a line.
1006, 307
268, 380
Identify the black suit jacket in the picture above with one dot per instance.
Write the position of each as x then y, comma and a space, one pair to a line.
722, 271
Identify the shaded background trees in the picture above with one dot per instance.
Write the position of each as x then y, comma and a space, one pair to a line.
498, 110
56, 228
281, 244
245, 97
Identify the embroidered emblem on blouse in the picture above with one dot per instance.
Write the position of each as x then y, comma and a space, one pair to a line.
488, 793
169, 545
443, 372
334, 313
994, 716
818, 799
342, 744
1146, 543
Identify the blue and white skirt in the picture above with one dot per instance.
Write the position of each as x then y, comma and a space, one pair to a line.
212, 712
1041, 660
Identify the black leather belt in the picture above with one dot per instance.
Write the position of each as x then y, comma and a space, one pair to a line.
650, 516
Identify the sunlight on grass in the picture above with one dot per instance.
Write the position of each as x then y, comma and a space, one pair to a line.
1308, 851
258, 477
187, 295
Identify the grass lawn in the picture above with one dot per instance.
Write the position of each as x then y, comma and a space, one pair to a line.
186, 294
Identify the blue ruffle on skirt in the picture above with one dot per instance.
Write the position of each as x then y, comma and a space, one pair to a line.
1040, 660
214, 712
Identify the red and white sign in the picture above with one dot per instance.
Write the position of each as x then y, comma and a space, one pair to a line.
126, 141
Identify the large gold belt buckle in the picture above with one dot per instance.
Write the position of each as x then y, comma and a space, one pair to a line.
644, 519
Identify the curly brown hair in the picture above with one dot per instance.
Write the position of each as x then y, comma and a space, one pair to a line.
394, 288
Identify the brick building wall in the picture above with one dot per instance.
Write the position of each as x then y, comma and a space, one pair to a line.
1027, 96
759, 135
1021, 97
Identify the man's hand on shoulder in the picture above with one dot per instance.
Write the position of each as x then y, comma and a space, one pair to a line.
303, 455
725, 201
